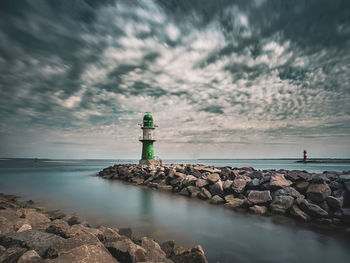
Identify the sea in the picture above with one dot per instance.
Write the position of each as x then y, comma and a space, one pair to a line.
226, 236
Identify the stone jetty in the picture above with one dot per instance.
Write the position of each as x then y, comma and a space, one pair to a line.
30, 234
309, 197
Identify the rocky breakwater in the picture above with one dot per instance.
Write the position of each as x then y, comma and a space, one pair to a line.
30, 234
317, 198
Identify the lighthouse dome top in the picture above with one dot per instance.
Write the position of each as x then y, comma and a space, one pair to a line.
148, 117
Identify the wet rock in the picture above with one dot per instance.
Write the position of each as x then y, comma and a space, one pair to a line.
345, 215
154, 252
213, 178
31, 239
168, 247
184, 192
318, 192
347, 186
75, 219
55, 214
312, 209
281, 203
163, 187
216, 188
177, 181
232, 202
88, 230
194, 191
59, 227
258, 209
297, 213
195, 255
204, 194
126, 251
12, 255
279, 181
343, 178
217, 200
137, 180
259, 197
302, 187
85, 254
30, 257
109, 234
253, 184
335, 185
334, 202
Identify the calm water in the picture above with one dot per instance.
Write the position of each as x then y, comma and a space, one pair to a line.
225, 235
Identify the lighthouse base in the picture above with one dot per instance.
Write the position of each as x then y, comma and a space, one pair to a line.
148, 162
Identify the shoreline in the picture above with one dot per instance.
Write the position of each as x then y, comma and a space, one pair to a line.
315, 200
30, 233
324, 161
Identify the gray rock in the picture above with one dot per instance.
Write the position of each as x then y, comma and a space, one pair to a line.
287, 191
259, 197
194, 191
318, 192
85, 253
59, 227
278, 181
258, 209
184, 192
302, 187
12, 255
216, 188
343, 178
297, 213
213, 178
201, 183
217, 200
30, 257
312, 209
75, 219
195, 255
281, 203
334, 202
30, 239
126, 251
189, 180
168, 247
227, 185
204, 194
154, 253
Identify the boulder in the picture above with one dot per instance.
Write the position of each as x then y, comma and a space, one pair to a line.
334, 202
75, 219
185, 192
278, 181
154, 253
55, 214
65, 245
163, 187
258, 209
109, 234
194, 191
126, 251
287, 191
343, 178
24, 227
59, 227
227, 185
302, 187
232, 202
204, 194
30, 257
297, 213
75, 229
85, 254
194, 255
216, 188
239, 185
168, 247
30, 239
213, 178
177, 181
12, 255
281, 203
201, 182
312, 209
5, 226
189, 180
253, 184
217, 200
35, 219
259, 197
318, 192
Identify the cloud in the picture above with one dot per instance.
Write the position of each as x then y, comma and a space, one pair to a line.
245, 72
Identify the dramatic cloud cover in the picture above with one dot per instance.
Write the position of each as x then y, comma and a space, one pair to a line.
222, 78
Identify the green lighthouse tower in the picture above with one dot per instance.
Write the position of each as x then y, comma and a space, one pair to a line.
147, 140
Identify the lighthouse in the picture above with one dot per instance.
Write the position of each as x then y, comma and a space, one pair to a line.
147, 139
305, 156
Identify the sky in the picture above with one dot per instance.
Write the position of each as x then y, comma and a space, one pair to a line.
222, 79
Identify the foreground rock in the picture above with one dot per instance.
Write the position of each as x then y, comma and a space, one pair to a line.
308, 197
32, 235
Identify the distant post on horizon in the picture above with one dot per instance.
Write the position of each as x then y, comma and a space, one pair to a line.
147, 139
305, 156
